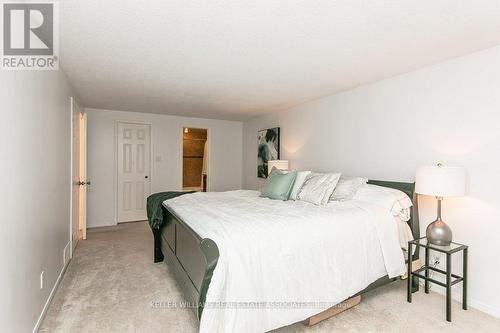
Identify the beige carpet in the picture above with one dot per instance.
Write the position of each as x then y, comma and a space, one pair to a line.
111, 285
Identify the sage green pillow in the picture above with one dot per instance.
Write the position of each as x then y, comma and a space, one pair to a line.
279, 185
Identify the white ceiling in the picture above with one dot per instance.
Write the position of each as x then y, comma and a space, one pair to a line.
235, 59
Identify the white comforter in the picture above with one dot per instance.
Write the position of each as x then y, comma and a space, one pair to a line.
292, 259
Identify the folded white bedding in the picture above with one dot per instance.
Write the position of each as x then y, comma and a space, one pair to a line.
395, 200
283, 253
404, 233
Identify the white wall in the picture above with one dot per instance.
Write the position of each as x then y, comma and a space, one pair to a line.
225, 155
34, 191
449, 112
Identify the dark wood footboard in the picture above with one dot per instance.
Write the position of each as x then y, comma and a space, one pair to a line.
192, 258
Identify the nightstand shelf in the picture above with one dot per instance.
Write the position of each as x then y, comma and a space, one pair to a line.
442, 284
451, 279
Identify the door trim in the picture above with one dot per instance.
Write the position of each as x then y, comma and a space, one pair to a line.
73, 102
209, 168
86, 177
115, 157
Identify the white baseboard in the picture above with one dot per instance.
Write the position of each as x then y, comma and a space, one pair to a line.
67, 253
457, 294
52, 293
495, 312
94, 226
471, 302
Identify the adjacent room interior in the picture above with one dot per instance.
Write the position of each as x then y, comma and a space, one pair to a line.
249, 166
194, 159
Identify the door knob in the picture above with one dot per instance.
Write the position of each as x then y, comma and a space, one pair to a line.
146, 177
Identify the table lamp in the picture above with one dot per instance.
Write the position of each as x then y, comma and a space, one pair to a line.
278, 164
440, 181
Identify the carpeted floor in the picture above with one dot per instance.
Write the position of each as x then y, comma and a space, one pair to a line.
112, 285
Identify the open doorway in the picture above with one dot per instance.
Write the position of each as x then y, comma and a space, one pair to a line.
195, 159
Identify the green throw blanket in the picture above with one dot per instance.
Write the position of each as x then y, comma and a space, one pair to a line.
154, 207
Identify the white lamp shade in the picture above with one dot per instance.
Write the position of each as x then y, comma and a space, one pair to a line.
440, 181
278, 164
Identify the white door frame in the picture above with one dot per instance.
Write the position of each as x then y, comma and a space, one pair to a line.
209, 182
86, 177
71, 179
115, 145
73, 102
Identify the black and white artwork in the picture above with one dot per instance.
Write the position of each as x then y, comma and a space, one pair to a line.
268, 149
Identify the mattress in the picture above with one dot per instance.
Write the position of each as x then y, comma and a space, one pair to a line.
283, 261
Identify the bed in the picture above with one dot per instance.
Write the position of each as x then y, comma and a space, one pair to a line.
193, 248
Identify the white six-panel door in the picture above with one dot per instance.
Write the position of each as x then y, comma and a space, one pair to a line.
134, 170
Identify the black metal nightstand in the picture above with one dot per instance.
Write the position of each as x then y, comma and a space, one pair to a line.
451, 279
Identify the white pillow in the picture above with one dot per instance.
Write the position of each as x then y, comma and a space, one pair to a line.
347, 188
299, 181
318, 188
395, 201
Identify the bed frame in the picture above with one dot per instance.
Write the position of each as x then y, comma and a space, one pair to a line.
193, 259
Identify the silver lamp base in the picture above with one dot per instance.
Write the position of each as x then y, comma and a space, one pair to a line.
439, 233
